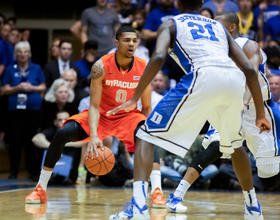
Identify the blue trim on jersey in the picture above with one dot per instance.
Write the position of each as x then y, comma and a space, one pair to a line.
275, 117
168, 107
185, 62
262, 68
245, 44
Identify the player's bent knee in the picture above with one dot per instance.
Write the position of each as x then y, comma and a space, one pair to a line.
271, 182
156, 155
63, 133
205, 157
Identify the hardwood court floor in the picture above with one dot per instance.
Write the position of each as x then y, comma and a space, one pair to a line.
87, 203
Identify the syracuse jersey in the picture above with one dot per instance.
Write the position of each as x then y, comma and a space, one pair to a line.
119, 85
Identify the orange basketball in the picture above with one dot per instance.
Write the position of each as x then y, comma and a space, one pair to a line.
102, 164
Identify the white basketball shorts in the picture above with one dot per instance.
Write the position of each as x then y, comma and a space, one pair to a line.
213, 94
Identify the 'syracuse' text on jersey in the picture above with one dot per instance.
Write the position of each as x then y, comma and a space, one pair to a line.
119, 85
200, 42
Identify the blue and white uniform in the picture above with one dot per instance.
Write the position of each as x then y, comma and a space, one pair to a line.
211, 90
264, 146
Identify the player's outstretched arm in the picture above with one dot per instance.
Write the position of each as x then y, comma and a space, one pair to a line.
146, 101
165, 37
97, 76
239, 57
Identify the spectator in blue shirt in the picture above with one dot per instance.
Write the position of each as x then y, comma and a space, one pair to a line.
156, 17
268, 9
272, 27
262, 13
3, 56
23, 83
89, 57
5, 31
218, 6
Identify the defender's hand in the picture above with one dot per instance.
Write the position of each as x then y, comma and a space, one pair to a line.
128, 106
92, 146
263, 124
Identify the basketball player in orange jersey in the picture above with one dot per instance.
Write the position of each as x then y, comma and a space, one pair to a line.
114, 78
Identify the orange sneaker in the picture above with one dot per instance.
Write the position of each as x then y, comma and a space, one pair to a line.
37, 196
158, 200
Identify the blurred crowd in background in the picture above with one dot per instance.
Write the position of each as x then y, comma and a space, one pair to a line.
36, 99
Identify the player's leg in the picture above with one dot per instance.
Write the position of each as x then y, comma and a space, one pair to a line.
157, 200
242, 168
72, 131
82, 172
203, 159
143, 165
173, 125
265, 146
231, 140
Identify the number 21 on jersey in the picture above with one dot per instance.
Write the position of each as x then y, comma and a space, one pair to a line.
197, 33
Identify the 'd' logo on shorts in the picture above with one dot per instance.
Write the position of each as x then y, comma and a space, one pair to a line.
156, 118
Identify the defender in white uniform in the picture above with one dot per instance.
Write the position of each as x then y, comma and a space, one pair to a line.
264, 146
266, 141
212, 91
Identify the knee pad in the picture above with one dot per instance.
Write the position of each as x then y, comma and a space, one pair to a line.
156, 155
207, 156
271, 182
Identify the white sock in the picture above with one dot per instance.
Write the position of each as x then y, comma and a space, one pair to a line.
181, 189
140, 189
44, 178
250, 197
155, 180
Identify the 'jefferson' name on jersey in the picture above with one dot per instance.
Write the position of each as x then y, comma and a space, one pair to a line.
121, 84
195, 18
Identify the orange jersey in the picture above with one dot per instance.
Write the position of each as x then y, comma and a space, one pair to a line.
119, 85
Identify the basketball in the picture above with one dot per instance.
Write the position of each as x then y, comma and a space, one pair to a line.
102, 164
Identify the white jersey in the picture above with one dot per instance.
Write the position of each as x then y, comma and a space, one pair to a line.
200, 42
241, 41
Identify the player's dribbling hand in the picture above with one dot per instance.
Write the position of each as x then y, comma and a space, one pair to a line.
92, 146
263, 124
127, 106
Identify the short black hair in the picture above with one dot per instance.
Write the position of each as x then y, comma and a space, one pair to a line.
209, 10
272, 52
60, 111
191, 4
90, 44
229, 16
123, 29
64, 41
